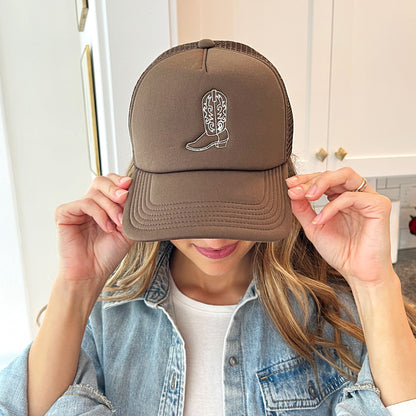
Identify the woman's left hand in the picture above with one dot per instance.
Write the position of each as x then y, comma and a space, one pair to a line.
352, 232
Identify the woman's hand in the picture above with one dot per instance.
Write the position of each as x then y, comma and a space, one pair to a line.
91, 242
353, 235
352, 232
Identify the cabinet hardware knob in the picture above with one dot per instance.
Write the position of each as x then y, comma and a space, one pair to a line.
340, 154
321, 155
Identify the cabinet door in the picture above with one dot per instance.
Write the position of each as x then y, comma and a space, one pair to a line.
373, 86
294, 36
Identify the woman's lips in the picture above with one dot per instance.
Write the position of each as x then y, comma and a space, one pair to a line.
215, 254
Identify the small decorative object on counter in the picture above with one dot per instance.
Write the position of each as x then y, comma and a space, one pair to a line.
412, 225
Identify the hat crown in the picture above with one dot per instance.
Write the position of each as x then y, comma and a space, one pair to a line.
165, 111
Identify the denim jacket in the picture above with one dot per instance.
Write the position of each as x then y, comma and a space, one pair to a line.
132, 362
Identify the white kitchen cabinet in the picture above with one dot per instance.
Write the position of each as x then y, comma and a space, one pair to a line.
349, 68
372, 109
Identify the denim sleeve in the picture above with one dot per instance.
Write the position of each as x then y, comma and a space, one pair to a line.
83, 397
361, 398
13, 386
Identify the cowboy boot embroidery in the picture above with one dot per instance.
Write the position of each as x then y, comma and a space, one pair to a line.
214, 113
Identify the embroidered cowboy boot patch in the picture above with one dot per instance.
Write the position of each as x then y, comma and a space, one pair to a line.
214, 113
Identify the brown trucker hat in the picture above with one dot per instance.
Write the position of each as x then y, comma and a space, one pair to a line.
211, 129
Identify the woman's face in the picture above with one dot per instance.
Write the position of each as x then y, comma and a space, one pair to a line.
215, 257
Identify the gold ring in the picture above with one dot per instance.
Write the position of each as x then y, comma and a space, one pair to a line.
362, 186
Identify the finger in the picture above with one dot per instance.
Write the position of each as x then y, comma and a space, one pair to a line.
107, 186
315, 185
369, 205
304, 213
301, 186
121, 181
329, 183
300, 179
78, 212
112, 209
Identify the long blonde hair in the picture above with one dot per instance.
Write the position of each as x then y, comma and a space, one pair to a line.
290, 268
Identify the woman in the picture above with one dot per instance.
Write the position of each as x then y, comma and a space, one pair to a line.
219, 297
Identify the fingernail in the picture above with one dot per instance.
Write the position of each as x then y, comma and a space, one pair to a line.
292, 179
317, 219
312, 191
121, 192
125, 179
120, 218
296, 191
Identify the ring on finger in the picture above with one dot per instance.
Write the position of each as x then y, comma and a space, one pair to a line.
362, 186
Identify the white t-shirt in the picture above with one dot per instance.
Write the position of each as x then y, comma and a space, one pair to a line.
203, 328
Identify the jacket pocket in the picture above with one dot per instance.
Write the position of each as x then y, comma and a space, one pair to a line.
295, 384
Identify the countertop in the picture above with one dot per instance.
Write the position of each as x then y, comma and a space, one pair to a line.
406, 270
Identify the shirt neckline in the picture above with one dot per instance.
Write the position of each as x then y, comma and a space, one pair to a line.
178, 296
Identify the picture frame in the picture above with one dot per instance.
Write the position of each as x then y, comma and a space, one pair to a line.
81, 7
90, 111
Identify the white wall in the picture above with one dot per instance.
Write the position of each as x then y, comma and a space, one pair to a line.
15, 327
42, 97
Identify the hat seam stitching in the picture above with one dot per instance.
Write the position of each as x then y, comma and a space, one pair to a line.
221, 203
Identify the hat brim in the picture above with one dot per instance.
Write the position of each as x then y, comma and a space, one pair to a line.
238, 205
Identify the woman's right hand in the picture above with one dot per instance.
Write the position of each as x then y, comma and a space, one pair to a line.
91, 242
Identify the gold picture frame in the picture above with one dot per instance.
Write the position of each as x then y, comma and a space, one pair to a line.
90, 112
82, 12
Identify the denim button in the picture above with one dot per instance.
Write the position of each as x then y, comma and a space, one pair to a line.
312, 390
173, 382
233, 361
